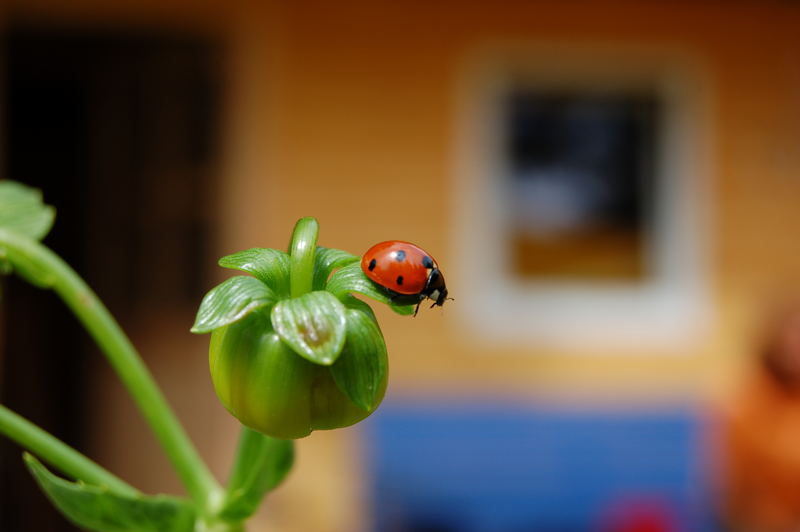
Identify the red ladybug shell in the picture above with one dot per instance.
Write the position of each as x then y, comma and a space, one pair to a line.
399, 266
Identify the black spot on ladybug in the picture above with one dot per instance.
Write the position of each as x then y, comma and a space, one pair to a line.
399, 255
400, 280
427, 262
372, 264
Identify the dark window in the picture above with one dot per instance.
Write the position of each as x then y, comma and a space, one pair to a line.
582, 170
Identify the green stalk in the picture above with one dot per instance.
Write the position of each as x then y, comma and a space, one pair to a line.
59, 454
249, 455
302, 250
195, 475
262, 463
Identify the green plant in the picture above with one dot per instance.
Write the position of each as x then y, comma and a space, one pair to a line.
291, 351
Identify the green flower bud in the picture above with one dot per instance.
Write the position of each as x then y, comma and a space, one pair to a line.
271, 389
292, 350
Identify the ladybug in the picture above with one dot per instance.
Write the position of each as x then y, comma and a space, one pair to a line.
407, 271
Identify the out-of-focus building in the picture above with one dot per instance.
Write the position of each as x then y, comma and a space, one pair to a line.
611, 189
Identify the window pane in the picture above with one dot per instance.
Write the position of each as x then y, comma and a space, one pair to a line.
582, 168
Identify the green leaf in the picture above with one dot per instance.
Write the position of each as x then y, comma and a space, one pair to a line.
326, 260
269, 265
313, 325
231, 301
352, 279
363, 364
97, 508
262, 463
22, 210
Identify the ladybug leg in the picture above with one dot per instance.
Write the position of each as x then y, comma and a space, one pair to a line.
406, 299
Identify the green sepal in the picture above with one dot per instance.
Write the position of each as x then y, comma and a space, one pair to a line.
98, 508
331, 407
363, 364
302, 249
231, 301
264, 462
354, 303
23, 211
352, 279
268, 265
326, 261
313, 325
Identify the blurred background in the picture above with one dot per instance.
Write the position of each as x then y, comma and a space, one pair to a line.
611, 189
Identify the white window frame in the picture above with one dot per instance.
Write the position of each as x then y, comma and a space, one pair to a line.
670, 309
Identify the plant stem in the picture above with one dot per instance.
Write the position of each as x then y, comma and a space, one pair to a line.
262, 463
249, 455
59, 454
302, 250
195, 475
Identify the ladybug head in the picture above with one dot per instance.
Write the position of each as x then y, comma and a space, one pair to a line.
442, 297
435, 288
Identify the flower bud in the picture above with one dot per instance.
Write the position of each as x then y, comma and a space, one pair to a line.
273, 390
284, 365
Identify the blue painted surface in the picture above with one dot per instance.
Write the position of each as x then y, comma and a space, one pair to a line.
502, 468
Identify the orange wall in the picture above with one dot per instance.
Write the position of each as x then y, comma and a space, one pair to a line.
359, 102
